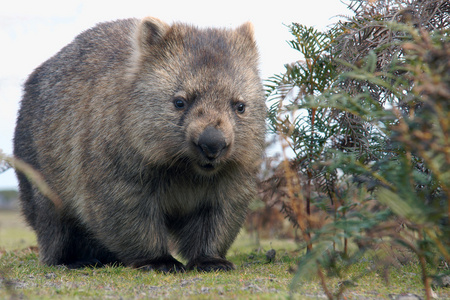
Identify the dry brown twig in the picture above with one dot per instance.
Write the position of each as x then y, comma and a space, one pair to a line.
34, 176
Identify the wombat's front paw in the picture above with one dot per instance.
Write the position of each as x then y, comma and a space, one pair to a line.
89, 263
166, 264
210, 264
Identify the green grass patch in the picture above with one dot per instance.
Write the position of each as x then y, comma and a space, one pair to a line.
14, 233
22, 276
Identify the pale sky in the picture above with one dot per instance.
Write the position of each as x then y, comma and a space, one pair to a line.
32, 31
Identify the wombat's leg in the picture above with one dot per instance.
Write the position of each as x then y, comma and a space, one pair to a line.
53, 236
63, 241
205, 236
87, 251
135, 231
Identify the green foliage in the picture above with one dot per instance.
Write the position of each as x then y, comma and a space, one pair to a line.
370, 133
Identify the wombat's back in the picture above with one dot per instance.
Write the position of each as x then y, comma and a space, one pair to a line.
56, 108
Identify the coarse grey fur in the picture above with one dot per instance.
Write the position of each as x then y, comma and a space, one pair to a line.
152, 135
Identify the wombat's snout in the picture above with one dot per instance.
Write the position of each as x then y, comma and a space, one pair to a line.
211, 143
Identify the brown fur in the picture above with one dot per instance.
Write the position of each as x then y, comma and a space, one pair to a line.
149, 133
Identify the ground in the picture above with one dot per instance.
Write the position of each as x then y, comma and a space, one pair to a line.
21, 275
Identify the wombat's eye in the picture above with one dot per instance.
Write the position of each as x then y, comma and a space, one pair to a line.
179, 103
240, 107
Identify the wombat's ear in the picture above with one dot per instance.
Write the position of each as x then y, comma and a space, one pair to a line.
246, 30
150, 32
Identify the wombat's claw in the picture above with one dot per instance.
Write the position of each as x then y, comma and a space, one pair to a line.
164, 265
210, 264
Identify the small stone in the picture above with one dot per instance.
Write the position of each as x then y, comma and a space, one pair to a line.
408, 297
184, 283
50, 275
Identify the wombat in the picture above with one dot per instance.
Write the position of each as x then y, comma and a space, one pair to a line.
152, 136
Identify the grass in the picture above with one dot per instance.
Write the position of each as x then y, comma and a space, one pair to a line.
14, 234
21, 275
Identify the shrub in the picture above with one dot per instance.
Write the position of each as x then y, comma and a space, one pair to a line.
366, 114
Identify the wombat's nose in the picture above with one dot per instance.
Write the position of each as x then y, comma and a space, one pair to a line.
211, 143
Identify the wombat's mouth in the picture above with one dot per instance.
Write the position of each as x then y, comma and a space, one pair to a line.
208, 167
